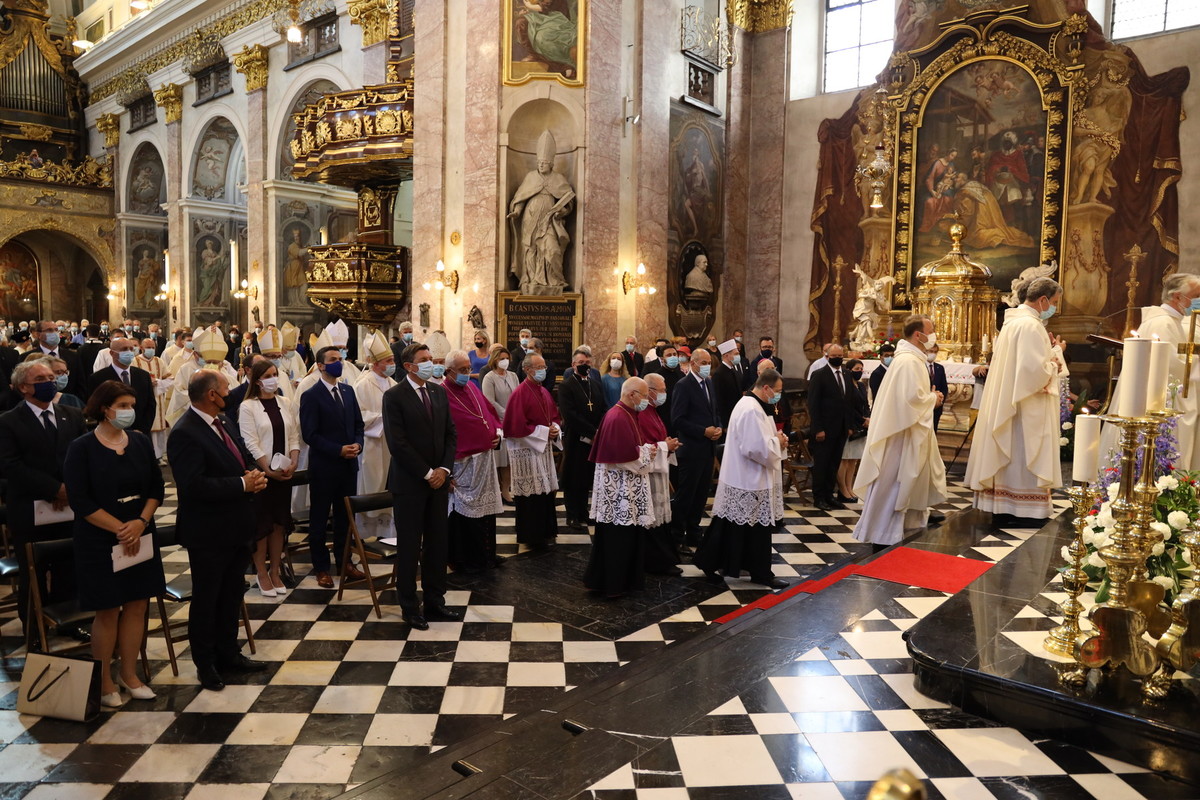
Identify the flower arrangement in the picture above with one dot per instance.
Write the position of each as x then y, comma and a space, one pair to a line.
1176, 508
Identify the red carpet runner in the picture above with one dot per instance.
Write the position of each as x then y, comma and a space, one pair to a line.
905, 565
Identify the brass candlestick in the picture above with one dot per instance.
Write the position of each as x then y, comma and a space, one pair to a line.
1064, 639
1180, 645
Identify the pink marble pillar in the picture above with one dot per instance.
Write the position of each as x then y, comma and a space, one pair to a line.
176, 229
737, 172
659, 28
428, 142
599, 199
481, 194
258, 238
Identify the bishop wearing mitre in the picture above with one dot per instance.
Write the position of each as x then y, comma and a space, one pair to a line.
294, 366
1014, 463
902, 474
210, 351
376, 459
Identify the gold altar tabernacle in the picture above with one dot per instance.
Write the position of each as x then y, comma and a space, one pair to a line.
954, 292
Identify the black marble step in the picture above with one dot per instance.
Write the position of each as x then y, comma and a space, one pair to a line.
961, 657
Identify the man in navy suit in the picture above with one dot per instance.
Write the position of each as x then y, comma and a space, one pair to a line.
124, 350
332, 426
215, 522
696, 423
421, 437
831, 418
937, 380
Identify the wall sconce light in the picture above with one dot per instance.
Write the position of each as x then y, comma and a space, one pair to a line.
246, 291
629, 282
163, 294
631, 117
442, 279
114, 292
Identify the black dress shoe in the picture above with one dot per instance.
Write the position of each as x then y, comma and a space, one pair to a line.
774, 583
936, 518
210, 679
841, 498
75, 632
836, 505
416, 621
240, 663
712, 576
823, 505
442, 614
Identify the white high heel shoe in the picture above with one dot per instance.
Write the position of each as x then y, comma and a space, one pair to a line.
142, 692
112, 700
264, 592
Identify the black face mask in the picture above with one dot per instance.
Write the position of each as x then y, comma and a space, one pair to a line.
582, 369
836, 361
857, 373
767, 352
479, 345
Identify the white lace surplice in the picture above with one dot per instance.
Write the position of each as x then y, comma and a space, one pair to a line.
531, 472
621, 492
476, 488
750, 489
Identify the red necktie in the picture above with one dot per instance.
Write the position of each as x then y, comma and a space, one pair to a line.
229, 442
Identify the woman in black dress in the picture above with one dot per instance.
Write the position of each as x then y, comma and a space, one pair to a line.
115, 486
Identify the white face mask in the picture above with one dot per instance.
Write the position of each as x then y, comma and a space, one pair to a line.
615, 363
270, 384
502, 363
931, 357
930, 340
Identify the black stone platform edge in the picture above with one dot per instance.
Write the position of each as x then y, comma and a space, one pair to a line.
615, 719
1105, 716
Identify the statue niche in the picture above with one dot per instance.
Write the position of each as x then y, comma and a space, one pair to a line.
539, 234
698, 290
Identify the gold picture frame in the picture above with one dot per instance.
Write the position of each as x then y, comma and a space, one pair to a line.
548, 25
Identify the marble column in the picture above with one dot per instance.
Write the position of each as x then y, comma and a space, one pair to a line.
258, 236
732, 300
429, 151
599, 246
177, 243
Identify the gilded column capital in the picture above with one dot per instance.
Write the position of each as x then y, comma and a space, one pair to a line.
375, 17
755, 16
170, 97
110, 126
253, 62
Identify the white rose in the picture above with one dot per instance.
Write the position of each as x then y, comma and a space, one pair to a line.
1102, 539
1178, 520
1105, 519
1066, 555
1089, 536
1160, 527
1113, 488
1186, 554
1067, 426
1158, 549
1063, 441
1165, 582
1166, 483
1095, 560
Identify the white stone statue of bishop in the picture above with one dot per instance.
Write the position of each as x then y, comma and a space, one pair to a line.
536, 213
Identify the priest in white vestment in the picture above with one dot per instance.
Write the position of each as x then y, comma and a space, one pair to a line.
902, 474
749, 503
209, 353
162, 384
376, 459
1169, 323
1014, 463
293, 364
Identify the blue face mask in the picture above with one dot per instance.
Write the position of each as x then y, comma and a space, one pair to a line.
461, 379
52, 339
189, 345
642, 405
104, 329
887, 361
706, 370
524, 341
774, 399
737, 359
540, 375
439, 370
123, 418
149, 352
425, 370
628, 348
343, 352
407, 337
153, 334
389, 370
672, 362
334, 370
126, 357
660, 398
60, 381
1049, 312
279, 364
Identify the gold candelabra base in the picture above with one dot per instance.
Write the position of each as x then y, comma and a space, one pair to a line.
1063, 640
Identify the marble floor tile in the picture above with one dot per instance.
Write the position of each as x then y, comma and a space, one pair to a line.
817, 693
291, 612
489, 614
13, 725
710, 760
574, 652
375, 651
267, 729
861, 755
901, 719
968, 789
420, 673
31, 762
69, 791
815, 791
302, 673
318, 764
536, 674
996, 752
774, 723
333, 630
401, 730
877, 644
537, 632
1108, 787
230, 700
902, 685
133, 727
496, 652
471, 700
349, 700
171, 763
228, 791
274, 649
438, 632
619, 779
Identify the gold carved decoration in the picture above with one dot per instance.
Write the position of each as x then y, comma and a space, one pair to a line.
253, 63
203, 51
241, 17
1039, 50
375, 17
170, 98
109, 125
32, 132
89, 172
756, 16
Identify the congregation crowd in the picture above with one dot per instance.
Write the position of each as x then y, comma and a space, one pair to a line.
448, 437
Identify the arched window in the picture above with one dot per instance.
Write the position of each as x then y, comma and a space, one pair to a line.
1145, 17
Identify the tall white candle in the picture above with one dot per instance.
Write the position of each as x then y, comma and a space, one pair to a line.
1135, 377
1087, 448
1160, 360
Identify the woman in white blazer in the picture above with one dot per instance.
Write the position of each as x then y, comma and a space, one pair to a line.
270, 426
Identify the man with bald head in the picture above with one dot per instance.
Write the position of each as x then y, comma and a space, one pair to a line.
695, 419
124, 352
829, 410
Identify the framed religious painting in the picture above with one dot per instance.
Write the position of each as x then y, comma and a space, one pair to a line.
20, 283
983, 128
544, 40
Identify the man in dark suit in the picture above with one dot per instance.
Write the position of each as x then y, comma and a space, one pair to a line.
830, 416
886, 353
87, 353
34, 438
937, 379
160, 342
766, 352
332, 426
669, 361
421, 437
124, 350
238, 393
581, 404
729, 378
696, 424
521, 348
49, 341
216, 523
635, 362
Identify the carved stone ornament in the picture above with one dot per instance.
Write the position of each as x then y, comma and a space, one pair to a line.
170, 98
253, 63
374, 16
129, 89
34, 132
203, 51
756, 16
109, 125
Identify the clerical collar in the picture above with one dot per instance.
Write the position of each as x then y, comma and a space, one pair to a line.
1170, 309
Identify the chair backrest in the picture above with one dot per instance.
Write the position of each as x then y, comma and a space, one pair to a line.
299, 478
42, 552
164, 536
362, 503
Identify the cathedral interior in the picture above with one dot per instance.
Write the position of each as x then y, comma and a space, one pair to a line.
809, 171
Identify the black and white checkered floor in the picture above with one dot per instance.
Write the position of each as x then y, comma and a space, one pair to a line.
348, 697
